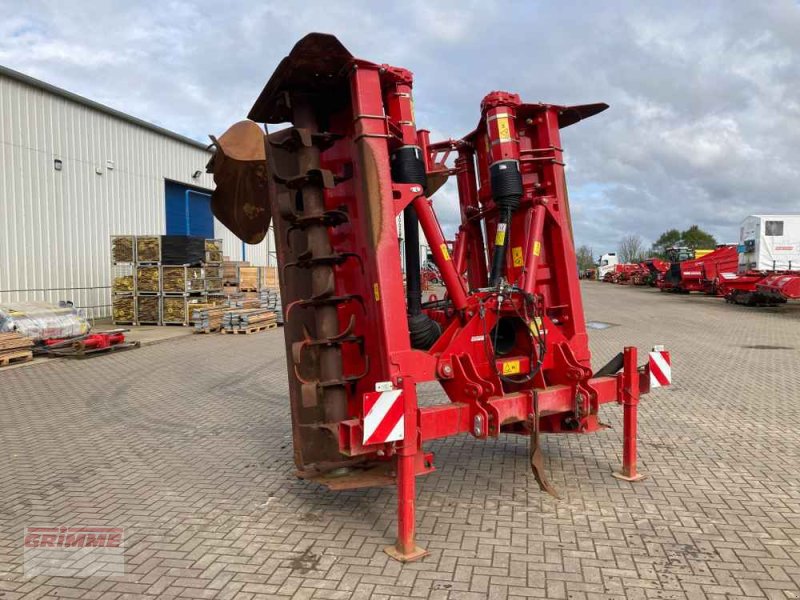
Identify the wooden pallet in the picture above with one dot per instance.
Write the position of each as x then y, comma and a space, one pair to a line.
206, 330
20, 356
254, 329
80, 352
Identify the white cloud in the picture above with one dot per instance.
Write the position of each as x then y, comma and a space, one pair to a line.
703, 128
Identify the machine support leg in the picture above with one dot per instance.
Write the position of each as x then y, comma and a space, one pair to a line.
406, 549
630, 403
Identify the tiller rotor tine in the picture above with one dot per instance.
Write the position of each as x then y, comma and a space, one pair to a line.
241, 171
537, 458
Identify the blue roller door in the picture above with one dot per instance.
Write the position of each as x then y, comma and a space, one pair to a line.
188, 211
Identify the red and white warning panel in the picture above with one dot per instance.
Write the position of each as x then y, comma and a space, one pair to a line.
660, 368
383, 417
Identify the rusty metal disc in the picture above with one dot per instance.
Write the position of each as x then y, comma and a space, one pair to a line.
241, 173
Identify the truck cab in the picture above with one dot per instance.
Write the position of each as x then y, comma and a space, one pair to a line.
607, 264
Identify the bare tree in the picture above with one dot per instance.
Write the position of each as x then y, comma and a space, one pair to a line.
585, 257
631, 249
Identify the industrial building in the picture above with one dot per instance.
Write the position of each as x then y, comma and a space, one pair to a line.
73, 173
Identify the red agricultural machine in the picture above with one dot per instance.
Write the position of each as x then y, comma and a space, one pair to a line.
430, 275
507, 343
700, 274
654, 268
625, 274
716, 274
758, 288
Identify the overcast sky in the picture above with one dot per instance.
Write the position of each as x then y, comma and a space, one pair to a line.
704, 124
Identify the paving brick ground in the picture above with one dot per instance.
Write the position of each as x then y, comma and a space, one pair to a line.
187, 445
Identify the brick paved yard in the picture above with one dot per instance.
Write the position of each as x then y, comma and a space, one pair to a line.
187, 445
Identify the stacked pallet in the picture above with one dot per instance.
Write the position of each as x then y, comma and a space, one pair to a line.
213, 252
181, 310
173, 279
156, 279
182, 250
246, 303
230, 272
123, 309
15, 347
123, 249
208, 320
233, 319
148, 248
271, 299
148, 310
175, 310
214, 285
123, 284
248, 320
248, 279
148, 279
261, 320
170, 249
213, 272
268, 277
181, 279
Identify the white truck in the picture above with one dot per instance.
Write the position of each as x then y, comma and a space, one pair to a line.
607, 264
769, 243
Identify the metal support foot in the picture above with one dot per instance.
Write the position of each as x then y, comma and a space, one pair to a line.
624, 477
630, 408
406, 549
405, 556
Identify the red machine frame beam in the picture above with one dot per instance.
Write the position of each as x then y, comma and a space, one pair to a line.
441, 255
451, 419
444, 420
365, 84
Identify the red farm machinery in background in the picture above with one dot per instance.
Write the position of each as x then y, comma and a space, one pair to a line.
507, 342
759, 288
624, 273
655, 268
700, 274
643, 273
717, 274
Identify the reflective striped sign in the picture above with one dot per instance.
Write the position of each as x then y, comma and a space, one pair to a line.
660, 369
383, 417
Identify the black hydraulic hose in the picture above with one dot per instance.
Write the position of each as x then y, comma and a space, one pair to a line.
500, 245
408, 167
413, 264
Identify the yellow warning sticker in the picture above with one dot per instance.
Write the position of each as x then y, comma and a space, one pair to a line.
537, 248
377, 291
503, 129
536, 326
445, 252
516, 256
500, 238
511, 367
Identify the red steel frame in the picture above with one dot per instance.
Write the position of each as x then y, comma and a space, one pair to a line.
543, 382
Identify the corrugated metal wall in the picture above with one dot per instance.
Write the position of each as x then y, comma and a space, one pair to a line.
55, 225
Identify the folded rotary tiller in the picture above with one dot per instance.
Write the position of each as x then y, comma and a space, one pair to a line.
507, 342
